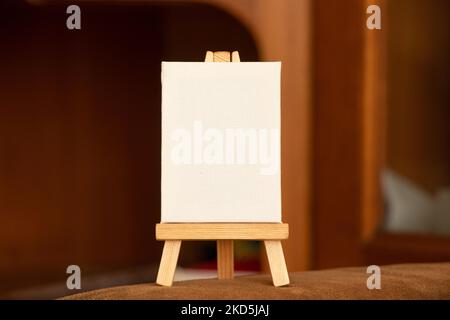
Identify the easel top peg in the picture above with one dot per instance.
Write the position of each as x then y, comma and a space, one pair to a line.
222, 56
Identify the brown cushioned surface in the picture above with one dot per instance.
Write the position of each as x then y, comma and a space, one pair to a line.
408, 281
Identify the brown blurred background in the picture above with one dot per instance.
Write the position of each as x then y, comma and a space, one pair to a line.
365, 134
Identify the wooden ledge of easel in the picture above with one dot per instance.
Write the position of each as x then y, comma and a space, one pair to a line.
222, 231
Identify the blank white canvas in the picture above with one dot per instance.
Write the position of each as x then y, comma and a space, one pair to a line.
206, 101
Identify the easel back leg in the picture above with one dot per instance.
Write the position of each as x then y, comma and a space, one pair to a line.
225, 259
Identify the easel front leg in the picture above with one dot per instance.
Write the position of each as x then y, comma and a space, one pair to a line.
168, 263
225, 259
277, 263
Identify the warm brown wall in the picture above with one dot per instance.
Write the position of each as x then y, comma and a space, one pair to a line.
79, 145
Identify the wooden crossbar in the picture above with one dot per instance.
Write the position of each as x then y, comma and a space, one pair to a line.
221, 231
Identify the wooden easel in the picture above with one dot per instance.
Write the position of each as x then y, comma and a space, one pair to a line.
224, 233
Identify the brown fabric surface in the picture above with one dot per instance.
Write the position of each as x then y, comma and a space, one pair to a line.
408, 281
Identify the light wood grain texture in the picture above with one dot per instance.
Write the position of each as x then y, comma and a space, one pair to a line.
222, 56
235, 57
222, 231
168, 263
225, 259
209, 57
274, 250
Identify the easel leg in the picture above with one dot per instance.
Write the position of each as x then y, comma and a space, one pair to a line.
168, 263
277, 263
225, 259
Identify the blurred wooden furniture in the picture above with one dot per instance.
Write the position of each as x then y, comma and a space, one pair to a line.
350, 141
